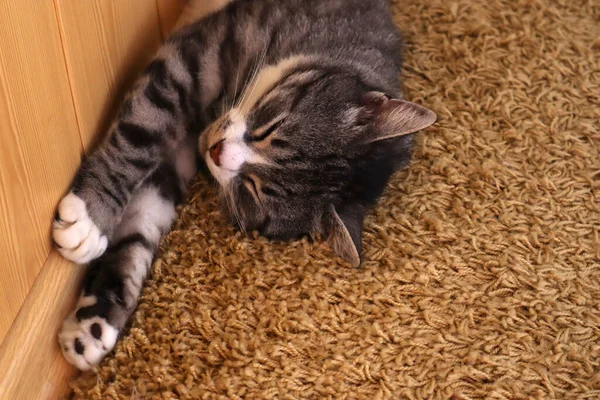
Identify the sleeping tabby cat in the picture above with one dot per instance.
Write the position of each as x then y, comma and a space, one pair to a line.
294, 106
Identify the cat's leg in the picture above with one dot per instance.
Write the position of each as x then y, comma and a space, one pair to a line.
114, 280
153, 121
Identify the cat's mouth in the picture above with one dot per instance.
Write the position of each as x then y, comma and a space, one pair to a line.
224, 159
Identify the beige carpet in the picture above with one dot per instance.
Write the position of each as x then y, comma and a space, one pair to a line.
482, 272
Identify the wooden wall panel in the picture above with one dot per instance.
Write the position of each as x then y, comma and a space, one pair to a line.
107, 43
169, 12
40, 146
64, 67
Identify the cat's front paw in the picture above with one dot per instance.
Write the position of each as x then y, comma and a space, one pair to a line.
85, 341
77, 237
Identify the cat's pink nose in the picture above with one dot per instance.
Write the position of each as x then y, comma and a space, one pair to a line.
215, 152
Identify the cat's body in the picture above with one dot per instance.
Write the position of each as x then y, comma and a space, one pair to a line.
298, 102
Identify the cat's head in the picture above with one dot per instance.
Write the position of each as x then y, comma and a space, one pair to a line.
311, 154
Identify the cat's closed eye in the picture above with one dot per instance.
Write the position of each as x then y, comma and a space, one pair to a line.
264, 132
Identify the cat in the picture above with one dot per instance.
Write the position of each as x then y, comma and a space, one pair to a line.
295, 108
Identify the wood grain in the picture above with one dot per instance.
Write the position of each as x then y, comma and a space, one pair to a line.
40, 149
168, 13
64, 67
31, 365
107, 43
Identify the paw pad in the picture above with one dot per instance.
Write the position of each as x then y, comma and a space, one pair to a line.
96, 330
85, 342
78, 347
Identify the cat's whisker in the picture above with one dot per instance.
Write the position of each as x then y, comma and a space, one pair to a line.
223, 105
249, 89
242, 96
259, 64
233, 209
235, 88
239, 218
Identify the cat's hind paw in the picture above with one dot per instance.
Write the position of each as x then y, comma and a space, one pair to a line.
85, 342
77, 237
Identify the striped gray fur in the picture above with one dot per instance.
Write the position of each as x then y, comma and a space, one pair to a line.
294, 106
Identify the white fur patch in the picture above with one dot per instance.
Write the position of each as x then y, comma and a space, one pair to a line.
234, 152
79, 238
234, 155
148, 213
142, 262
222, 176
237, 126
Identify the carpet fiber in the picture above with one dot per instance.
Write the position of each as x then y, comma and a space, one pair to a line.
481, 276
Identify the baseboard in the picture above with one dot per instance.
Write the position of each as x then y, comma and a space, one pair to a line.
31, 364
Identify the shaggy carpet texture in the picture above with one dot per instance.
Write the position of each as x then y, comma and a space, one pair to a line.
481, 274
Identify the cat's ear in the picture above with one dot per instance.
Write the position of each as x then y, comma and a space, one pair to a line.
394, 117
344, 229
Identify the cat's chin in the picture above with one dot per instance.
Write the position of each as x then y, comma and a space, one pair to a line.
223, 176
